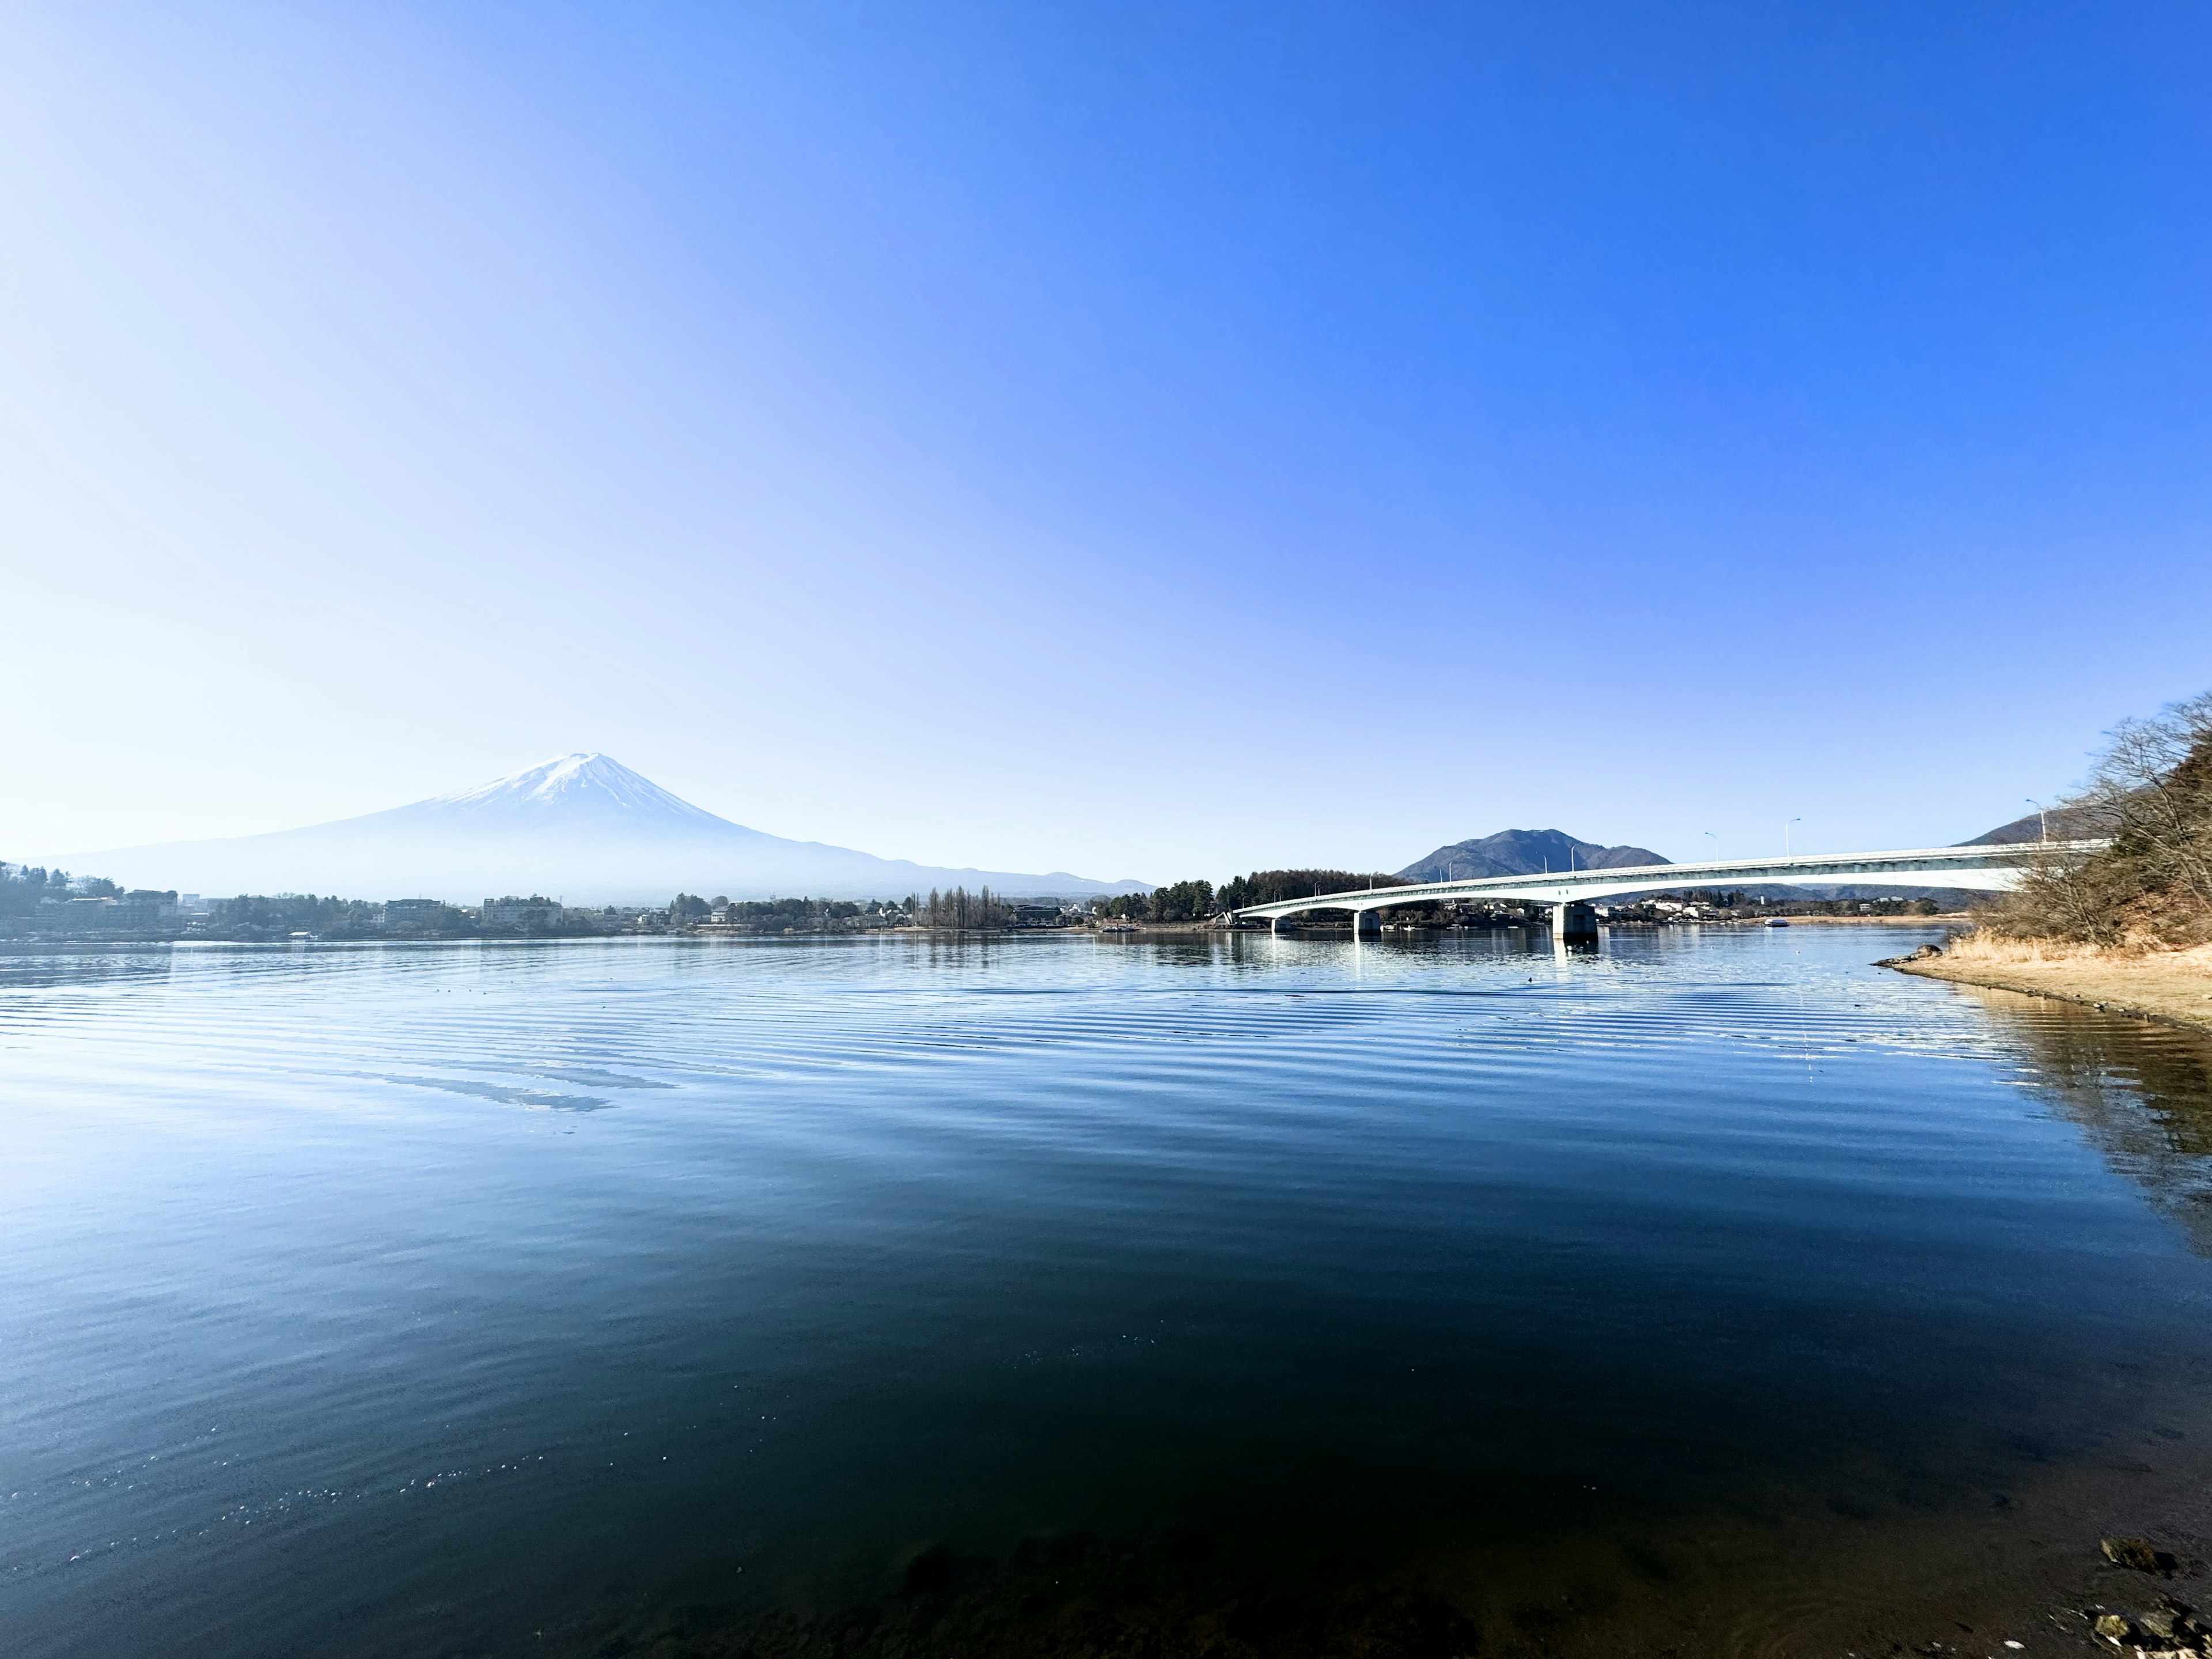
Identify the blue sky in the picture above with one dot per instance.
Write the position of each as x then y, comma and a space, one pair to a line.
1142, 440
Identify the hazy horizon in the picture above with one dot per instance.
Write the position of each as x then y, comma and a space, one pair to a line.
580, 827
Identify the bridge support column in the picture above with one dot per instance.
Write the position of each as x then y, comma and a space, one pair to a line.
1574, 924
1274, 927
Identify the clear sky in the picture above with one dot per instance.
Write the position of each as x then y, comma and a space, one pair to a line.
1151, 441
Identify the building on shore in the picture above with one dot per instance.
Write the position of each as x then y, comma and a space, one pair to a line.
414, 916
131, 912
534, 915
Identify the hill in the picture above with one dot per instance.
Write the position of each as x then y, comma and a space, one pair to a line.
583, 827
2066, 823
1523, 852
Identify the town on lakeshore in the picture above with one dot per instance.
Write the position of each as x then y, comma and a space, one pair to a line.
573, 847
53, 906
2104, 897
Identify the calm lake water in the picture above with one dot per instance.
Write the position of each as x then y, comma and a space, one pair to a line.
1717, 1292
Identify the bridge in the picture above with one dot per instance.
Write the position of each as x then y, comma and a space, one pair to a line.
1983, 868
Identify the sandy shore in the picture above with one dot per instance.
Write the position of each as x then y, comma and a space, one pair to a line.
2174, 987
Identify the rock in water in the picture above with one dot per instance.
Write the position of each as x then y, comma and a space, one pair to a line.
2136, 1553
2177, 1623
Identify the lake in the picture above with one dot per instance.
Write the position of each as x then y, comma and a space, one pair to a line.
1716, 1291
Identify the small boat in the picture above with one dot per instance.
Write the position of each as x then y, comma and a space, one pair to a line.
1776, 921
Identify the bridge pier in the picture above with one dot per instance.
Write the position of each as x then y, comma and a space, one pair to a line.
1983, 868
1574, 924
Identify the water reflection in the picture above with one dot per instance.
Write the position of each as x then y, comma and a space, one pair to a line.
1260, 1290
2141, 1091
37, 967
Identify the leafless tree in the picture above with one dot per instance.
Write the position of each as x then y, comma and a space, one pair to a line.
2149, 790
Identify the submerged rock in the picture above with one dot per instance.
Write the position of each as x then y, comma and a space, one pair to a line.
1921, 955
2170, 1630
2134, 1553
2159, 1622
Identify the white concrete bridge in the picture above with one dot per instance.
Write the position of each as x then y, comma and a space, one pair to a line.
1986, 868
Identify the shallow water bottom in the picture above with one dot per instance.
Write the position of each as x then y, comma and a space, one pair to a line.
2005, 1552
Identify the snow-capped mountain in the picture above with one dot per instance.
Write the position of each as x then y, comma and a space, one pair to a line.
574, 788
580, 827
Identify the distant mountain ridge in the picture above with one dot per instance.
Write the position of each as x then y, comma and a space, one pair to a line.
2064, 823
1523, 852
580, 827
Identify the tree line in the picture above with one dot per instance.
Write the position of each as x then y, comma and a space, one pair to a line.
959, 908
1194, 901
1182, 901
2149, 790
25, 887
274, 915
763, 913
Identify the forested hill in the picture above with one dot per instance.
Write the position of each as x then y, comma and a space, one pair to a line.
1523, 852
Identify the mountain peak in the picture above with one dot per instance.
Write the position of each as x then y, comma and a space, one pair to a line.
579, 784
581, 825
1523, 852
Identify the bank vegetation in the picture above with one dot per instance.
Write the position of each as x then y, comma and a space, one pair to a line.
2126, 926
2150, 887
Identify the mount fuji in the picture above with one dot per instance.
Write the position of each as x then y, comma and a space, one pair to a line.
580, 827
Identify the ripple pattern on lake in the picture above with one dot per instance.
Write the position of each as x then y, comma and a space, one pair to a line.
384, 1300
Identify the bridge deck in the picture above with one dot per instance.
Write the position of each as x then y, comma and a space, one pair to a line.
1989, 868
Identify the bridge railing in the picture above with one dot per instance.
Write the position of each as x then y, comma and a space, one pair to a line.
1987, 866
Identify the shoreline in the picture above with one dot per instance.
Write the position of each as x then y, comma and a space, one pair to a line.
2173, 988
1868, 921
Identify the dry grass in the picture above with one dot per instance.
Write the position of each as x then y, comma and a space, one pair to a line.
1980, 947
2173, 985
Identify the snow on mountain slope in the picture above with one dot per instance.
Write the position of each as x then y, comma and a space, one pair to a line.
573, 786
580, 827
